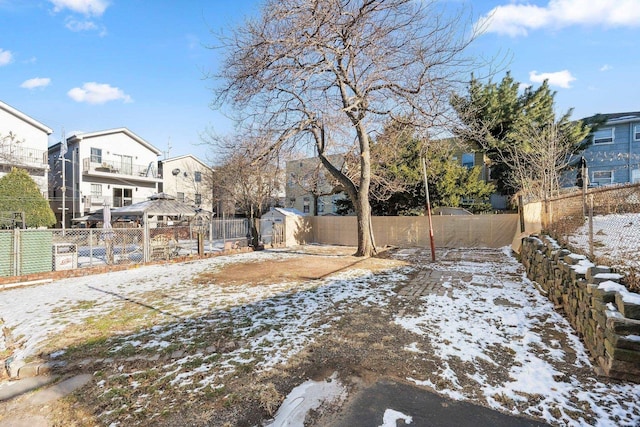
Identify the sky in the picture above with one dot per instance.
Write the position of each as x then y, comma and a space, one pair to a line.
91, 65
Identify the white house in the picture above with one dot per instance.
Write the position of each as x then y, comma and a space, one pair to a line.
184, 177
23, 144
113, 167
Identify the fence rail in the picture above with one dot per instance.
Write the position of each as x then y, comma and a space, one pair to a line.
35, 251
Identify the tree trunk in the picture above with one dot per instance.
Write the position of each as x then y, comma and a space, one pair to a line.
366, 245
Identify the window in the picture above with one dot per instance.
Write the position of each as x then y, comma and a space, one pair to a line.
320, 206
198, 199
602, 177
197, 176
636, 133
635, 176
124, 164
180, 196
603, 136
96, 155
122, 197
96, 190
468, 160
305, 205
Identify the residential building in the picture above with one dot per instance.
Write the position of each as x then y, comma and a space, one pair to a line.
469, 157
613, 157
310, 188
23, 144
184, 177
113, 168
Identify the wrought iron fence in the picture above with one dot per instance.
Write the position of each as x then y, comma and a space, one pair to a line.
29, 251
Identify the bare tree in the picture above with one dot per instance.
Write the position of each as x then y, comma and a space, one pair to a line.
242, 183
536, 167
10, 149
330, 72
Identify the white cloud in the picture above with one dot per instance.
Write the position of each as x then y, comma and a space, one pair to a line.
85, 7
561, 79
77, 26
523, 86
6, 57
606, 67
518, 19
98, 93
36, 83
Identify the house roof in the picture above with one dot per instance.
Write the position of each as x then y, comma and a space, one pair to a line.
20, 115
80, 136
158, 204
288, 211
177, 158
614, 117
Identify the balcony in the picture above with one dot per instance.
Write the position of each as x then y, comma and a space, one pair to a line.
22, 156
107, 168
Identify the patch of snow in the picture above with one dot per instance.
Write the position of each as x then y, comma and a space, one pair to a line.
412, 348
582, 266
609, 276
308, 396
391, 418
610, 286
630, 297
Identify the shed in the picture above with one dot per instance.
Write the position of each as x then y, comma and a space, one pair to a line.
281, 225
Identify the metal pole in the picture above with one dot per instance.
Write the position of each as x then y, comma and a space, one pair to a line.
584, 187
426, 190
521, 213
73, 183
64, 194
591, 226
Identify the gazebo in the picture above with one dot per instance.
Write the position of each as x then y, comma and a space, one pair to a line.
160, 207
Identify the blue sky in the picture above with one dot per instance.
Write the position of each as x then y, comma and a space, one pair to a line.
90, 65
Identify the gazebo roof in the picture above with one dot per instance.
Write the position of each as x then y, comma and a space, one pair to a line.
158, 204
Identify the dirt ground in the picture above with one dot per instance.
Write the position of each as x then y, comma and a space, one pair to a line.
353, 350
362, 347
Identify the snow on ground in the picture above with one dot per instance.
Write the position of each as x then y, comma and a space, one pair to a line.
494, 321
478, 322
616, 237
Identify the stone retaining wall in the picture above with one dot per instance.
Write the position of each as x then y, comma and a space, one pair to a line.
603, 312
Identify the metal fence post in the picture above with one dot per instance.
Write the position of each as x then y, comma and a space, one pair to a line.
591, 226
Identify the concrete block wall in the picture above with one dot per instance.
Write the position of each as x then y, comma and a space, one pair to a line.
603, 312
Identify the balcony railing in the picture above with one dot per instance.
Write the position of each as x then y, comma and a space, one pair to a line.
116, 167
23, 156
93, 203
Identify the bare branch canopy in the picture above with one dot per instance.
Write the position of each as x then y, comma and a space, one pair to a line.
330, 73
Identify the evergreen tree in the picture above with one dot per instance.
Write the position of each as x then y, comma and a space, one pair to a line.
20, 193
499, 120
397, 182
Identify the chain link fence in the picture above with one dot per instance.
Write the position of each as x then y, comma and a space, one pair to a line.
29, 251
601, 223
